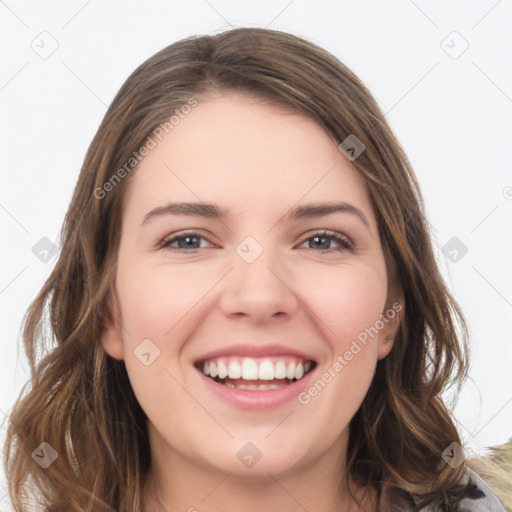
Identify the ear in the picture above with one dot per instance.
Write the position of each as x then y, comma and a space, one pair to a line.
391, 318
111, 335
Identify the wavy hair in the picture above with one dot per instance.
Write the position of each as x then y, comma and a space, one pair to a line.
79, 400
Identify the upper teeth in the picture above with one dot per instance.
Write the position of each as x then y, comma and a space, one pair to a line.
252, 369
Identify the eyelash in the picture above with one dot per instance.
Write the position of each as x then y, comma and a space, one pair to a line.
345, 243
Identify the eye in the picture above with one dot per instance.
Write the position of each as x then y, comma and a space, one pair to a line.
321, 237
185, 241
189, 241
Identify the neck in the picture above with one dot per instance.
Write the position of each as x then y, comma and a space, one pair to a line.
177, 484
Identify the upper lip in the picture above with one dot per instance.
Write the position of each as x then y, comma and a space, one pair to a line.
244, 350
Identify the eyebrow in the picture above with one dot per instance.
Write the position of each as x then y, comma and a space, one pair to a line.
213, 211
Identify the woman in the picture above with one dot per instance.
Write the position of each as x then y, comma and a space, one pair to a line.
247, 308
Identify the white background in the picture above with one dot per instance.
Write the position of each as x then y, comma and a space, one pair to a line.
452, 115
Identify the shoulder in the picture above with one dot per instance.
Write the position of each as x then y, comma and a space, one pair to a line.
483, 499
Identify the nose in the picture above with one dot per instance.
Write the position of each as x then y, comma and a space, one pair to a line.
260, 290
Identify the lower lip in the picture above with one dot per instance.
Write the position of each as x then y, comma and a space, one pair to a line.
257, 400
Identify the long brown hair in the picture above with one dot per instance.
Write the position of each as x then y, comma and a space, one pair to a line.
79, 400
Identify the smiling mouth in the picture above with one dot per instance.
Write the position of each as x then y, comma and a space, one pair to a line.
255, 374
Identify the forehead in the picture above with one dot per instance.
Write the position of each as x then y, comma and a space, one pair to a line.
247, 156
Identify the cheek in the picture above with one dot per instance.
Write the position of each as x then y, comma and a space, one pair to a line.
346, 299
349, 300
157, 304
155, 300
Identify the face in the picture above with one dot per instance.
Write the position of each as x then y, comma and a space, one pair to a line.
264, 289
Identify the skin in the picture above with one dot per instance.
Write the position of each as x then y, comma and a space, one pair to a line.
258, 161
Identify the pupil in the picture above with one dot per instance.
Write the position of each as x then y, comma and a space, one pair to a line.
321, 238
185, 240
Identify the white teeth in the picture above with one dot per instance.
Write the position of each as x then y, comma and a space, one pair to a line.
252, 369
249, 369
290, 372
280, 370
263, 387
266, 371
222, 370
234, 370
253, 387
